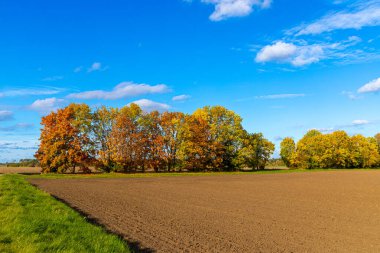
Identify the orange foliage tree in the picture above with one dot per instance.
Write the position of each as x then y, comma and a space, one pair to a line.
126, 139
173, 129
65, 143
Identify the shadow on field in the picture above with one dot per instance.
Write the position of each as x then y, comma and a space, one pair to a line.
134, 246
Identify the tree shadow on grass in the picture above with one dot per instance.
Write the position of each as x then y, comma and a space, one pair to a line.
134, 246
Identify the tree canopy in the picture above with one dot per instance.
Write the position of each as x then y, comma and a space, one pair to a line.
333, 150
129, 139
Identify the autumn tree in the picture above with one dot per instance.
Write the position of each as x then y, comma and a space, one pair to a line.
255, 151
173, 128
377, 138
364, 153
214, 136
336, 150
102, 124
225, 134
65, 142
197, 152
308, 150
152, 141
125, 139
288, 149
129, 140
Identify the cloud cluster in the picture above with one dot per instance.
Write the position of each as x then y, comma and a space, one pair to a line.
361, 14
149, 105
19, 126
358, 123
47, 105
31, 92
122, 90
235, 8
372, 86
18, 145
300, 45
299, 53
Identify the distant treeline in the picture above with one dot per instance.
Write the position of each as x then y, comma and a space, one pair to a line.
275, 162
333, 150
130, 140
22, 163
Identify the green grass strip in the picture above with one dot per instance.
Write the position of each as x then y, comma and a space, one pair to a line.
179, 174
33, 221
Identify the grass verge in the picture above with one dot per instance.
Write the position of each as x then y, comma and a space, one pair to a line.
176, 174
33, 221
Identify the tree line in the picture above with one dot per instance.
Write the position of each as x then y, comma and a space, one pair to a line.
22, 163
131, 140
333, 150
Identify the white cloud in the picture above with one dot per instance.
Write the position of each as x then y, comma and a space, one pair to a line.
47, 105
302, 53
273, 96
234, 8
18, 145
324, 130
6, 115
280, 96
96, 66
307, 55
30, 92
373, 86
19, 126
277, 52
122, 90
297, 55
360, 122
149, 105
180, 98
362, 14
354, 124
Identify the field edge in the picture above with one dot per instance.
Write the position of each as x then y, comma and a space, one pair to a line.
34, 221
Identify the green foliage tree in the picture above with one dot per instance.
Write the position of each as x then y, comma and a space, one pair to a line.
288, 149
103, 121
255, 151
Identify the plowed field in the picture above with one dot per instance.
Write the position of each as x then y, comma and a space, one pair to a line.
333, 211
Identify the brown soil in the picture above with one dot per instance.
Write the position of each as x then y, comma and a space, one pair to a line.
336, 211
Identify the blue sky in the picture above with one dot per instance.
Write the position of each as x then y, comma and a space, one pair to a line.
284, 66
